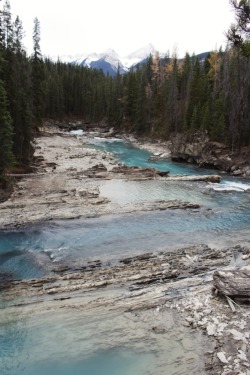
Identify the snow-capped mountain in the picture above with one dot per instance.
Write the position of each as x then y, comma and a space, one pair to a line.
138, 56
109, 61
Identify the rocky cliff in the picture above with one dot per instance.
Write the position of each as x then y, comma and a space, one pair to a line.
197, 148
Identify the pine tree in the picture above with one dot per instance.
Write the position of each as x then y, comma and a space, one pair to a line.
198, 95
7, 25
6, 155
195, 120
131, 97
2, 36
18, 35
174, 96
185, 82
141, 109
38, 77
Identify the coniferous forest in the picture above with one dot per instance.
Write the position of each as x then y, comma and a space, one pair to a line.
157, 99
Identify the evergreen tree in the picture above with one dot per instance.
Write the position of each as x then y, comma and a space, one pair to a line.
198, 95
174, 97
2, 36
141, 124
130, 99
6, 155
7, 25
186, 73
38, 77
18, 35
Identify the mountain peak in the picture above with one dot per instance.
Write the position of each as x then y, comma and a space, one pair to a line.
139, 55
143, 52
109, 61
110, 52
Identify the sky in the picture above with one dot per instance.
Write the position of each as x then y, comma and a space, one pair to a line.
71, 27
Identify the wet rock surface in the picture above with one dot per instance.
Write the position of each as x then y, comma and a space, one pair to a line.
66, 178
66, 184
180, 281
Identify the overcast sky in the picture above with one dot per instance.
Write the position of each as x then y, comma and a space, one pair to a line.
84, 26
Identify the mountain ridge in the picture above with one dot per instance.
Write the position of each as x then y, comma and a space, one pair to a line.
110, 62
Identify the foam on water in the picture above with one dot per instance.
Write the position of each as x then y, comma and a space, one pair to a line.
77, 132
108, 139
231, 186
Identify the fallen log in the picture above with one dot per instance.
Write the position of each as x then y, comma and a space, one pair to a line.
26, 175
154, 172
127, 169
207, 178
233, 283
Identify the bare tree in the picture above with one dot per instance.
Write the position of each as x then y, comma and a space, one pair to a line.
239, 32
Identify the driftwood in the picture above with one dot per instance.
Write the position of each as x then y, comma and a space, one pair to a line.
154, 172
206, 178
235, 283
26, 175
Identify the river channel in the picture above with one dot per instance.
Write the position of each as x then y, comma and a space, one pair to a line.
111, 343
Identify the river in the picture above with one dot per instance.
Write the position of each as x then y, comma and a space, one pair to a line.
46, 346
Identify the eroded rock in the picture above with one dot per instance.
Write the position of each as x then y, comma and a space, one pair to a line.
196, 148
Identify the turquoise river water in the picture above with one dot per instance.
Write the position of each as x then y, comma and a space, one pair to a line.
55, 346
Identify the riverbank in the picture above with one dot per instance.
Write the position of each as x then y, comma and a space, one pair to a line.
67, 184
145, 290
67, 179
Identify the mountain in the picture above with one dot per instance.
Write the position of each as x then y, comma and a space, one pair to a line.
138, 56
109, 61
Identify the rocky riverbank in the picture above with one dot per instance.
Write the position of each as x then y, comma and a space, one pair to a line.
198, 149
150, 285
66, 184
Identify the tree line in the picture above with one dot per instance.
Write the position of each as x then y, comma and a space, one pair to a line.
159, 98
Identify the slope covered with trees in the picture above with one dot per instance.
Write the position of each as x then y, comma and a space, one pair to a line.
159, 98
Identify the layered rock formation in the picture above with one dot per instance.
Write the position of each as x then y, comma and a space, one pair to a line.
198, 149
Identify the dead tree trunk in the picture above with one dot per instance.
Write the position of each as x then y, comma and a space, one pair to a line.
233, 283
